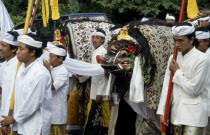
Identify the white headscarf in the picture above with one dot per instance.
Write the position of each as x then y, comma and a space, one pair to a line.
56, 50
202, 35
170, 17
98, 33
8, 38
29, 41
144, 19
182, 30
204, 18
21, 31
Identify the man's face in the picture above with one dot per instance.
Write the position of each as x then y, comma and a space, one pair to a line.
183, 43
169, 21
23, 53
6, 51
54, 60
203, 45
204, 23
97, 41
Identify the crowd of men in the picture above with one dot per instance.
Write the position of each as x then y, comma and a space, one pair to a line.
34, 91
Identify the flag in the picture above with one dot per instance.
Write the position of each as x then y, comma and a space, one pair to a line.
6, 23
192, 9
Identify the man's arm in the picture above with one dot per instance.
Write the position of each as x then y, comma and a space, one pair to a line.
195, 85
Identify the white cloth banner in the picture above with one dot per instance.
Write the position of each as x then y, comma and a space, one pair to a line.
77, 67
6, 23
136, 93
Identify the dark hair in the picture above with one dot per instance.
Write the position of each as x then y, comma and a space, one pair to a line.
100, 30
38, 51
15, 35
204, 29
63, 57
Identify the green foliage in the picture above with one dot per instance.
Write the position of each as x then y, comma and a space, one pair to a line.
18, 8
68, 7
142, 7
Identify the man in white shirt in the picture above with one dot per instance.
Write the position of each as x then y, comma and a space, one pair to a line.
60, 88
98, 106
9, 45
202, 36
189, 98
32, 110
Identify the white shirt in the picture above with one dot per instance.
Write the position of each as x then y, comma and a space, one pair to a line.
99, 82
8, 72
189, 97
59, 95
208, 82
33, 96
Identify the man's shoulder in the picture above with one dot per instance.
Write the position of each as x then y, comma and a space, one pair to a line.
40, 69
199, 54
60, 70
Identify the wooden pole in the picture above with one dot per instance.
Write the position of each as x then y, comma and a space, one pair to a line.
34, 14
28, 16
170, 87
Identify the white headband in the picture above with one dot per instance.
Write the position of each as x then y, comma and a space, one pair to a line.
8, 38
116, 31
99, 34
21, 31
50, 45
29, 41
202, 35
170, 17
57, 51
182, 30
144, 19
204, 18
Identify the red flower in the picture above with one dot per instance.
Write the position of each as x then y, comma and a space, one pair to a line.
131, 48
62, 40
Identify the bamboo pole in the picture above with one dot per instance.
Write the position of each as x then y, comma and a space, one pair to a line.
28, 16
170, 87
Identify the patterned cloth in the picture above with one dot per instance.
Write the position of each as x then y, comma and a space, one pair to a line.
73, 109
160, 40
98, 118
58, 130
81, 34
80, 31
94, 121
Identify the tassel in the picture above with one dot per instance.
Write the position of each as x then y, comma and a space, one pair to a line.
47, 10
44, 14
55, 9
